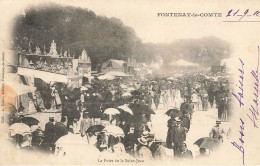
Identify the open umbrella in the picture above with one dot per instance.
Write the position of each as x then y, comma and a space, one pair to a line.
125, 108
68, 143
111, 111
114, 131
207, 143
174, 113
30, 121
19, 128
130, 89
82, 149
95, 128
69, 139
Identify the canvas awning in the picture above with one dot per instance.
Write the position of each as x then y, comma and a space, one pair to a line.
47, 76
20, 89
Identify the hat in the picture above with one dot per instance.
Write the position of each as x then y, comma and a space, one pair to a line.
145, 134
40, 134
39, 128
177, 119
103, 146
142, 141
158, 140
218, 121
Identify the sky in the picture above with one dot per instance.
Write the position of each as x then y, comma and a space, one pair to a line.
142, 17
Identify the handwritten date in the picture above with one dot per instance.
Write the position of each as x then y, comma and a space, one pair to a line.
242, 14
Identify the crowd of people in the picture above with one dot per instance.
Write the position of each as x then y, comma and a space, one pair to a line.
86, 107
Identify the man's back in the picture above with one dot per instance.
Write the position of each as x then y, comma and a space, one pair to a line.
60, 130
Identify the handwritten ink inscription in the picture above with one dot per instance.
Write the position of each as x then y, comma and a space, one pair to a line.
241, 148
243, 15
253, 113
254, 107
240, 95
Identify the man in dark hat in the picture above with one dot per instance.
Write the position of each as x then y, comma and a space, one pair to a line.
179, 136
49, 136
37, 137
221, 106
184, 106
21, 108
171, 124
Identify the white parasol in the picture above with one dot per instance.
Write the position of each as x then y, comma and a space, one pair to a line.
19, 128
114, 131
126, 109
111, 111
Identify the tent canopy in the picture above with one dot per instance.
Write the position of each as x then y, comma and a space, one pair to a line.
116, 64
13, 80
183, 63
19, 88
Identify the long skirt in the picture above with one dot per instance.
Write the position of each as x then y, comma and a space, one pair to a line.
156, 101
205, 105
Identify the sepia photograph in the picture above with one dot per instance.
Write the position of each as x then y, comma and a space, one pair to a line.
129, 82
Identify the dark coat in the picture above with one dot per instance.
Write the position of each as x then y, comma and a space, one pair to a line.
60, 130
221, 107
49, 136
73, 114
184, 107
169, 138
179, 136
186, 122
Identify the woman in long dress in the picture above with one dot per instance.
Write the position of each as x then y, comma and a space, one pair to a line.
178, 99
169, 138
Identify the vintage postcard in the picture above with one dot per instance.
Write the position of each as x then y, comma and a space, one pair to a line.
117, 82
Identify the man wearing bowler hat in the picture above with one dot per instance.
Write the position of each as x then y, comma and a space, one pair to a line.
49, 136
179, 136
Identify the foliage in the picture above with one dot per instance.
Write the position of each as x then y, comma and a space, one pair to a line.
75, 29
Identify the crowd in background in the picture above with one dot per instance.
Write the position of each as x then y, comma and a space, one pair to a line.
85, 107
